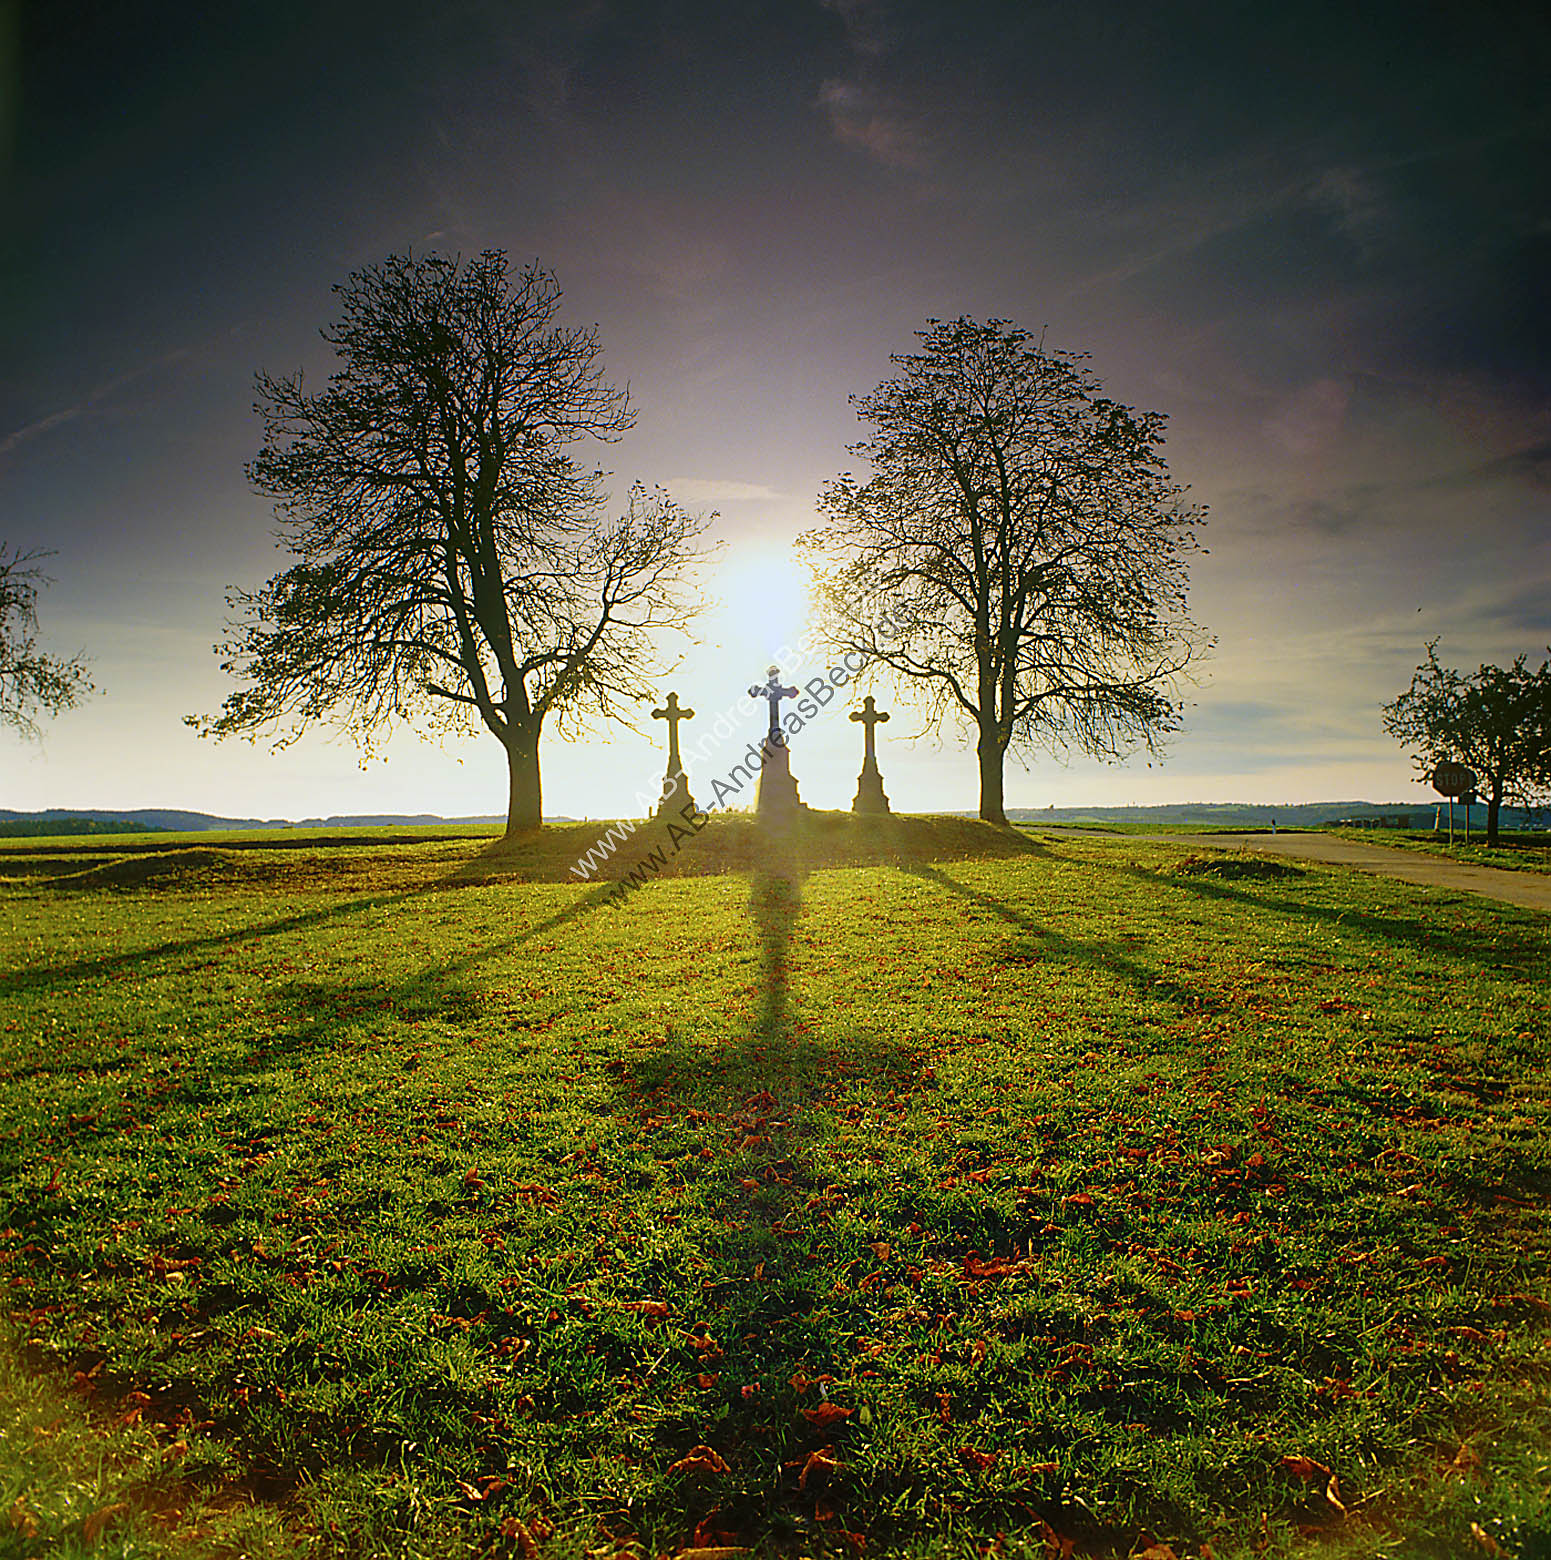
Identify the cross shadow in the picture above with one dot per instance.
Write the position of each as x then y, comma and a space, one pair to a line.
85, 969
1514, 943
435, 992
759, 1096
1044, 942
474, 874
775, 904
431, 992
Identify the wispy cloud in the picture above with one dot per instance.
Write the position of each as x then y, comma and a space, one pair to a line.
91, 401
866, 24
863, 112
712, 490
42, 425
1350, 196
860, 116
1311, 418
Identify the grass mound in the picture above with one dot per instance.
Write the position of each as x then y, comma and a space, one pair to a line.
632, 850
162, 867
1234, 866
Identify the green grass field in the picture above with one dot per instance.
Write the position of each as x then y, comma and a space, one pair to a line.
417, 1198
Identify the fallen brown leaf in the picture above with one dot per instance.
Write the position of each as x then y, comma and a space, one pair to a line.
710, 1534
1305, 1468
826, 1414
700, 1459
91, 1528
527, 1547
1485, 1540
821, 1461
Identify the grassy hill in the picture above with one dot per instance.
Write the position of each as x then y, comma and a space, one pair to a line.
857, 1191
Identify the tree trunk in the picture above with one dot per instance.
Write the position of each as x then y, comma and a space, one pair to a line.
525, 802
990, 751
1493, 807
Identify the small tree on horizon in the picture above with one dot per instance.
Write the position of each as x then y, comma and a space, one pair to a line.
31, 683
1018, 555
1497, 721
453, 560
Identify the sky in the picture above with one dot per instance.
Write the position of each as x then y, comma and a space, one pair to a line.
1315, 236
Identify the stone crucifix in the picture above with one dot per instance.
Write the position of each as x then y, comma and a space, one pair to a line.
675, 786
778, 800
774, 692
869, 784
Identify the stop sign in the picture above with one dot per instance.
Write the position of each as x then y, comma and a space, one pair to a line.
1450, 779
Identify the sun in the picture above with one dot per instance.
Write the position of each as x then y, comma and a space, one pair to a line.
765, 607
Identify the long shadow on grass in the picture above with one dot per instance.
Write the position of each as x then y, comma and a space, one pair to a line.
1514, 945
433, 993
1042, 942
760, 1102
471, 875
429, 993
86, 969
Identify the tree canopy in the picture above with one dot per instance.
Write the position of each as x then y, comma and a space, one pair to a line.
31, 683
453, 559
1018, 556
1496, 721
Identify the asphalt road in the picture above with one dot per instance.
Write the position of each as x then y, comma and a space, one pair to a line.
1530, 889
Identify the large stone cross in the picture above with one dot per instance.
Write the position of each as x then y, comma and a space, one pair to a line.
774, 692
673, 714
870, 715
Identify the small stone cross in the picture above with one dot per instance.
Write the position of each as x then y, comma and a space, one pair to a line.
774, 692
869, 715
673, 714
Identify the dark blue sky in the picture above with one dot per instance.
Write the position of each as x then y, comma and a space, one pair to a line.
1316, 236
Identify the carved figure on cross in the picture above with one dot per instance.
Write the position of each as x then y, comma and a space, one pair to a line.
774, 692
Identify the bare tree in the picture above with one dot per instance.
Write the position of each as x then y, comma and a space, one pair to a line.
1018, 555
31, 683
453, 558
1497, 721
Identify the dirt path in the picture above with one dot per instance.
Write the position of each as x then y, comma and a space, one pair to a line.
1530, 889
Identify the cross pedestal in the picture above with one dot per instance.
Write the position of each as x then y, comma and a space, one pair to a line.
869, 784
777, 797
675, 785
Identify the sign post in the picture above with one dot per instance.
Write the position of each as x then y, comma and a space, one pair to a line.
1450, 779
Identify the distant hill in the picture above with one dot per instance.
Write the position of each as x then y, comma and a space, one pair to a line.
13, 827
69, 820
1224, 815
1244, 815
